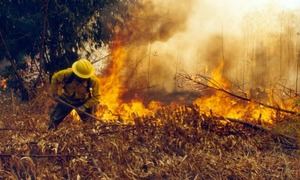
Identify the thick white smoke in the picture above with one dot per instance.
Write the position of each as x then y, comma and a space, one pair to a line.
257, 40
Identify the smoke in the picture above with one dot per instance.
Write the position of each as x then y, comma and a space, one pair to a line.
256, 40
150, 22
153, 20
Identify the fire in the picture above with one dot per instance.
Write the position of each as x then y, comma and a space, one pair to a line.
111, 83
75, 115
221, 104
113, 88
3, 84
218, 77
216, 103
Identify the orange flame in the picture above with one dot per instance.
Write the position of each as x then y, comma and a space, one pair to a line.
113, 89
221, 104
217, 103
3, 84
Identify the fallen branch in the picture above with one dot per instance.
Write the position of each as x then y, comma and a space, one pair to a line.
78, 110
100, 59
290, 91
117, 131
245, 123
289, 141
187, 77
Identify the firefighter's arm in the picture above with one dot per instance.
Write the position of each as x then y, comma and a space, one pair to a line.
95, 93
57, 81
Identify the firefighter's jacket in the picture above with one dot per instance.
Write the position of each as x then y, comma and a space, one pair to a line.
76, 91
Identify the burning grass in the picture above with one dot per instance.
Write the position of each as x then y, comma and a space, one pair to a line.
220, 97
174, 143
150, 140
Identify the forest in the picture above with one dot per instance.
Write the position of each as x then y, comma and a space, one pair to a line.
197, 89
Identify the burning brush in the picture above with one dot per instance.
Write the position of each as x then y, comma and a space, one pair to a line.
3, 84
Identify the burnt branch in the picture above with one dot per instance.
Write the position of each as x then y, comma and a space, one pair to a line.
218, 88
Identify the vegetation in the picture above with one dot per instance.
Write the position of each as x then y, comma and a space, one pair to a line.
52, 32
176, 141
185, 146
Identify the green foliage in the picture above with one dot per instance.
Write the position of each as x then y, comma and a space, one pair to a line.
20, 27
54, 29
62, 26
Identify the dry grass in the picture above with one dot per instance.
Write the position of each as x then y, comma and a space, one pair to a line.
185, 146
289, 127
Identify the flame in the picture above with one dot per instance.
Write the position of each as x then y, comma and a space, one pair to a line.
75, 115
220, 104
3, 84
113, 89
218, 77
111, 85
217, 103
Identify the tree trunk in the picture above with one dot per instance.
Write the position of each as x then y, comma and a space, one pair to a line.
21, 86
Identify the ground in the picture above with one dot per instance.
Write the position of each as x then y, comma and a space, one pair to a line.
184, 146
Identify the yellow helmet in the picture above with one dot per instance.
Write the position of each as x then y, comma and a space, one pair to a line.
83, 68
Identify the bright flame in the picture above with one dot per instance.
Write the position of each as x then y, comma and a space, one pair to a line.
113, 89
75, 115
3, 84
207, 18
111, 83
216, 103
218, 77
220, 104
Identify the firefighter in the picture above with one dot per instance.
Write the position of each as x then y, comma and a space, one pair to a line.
77, 86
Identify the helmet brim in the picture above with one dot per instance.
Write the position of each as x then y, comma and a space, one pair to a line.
84, 76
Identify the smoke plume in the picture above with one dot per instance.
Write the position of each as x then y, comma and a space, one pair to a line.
257, 42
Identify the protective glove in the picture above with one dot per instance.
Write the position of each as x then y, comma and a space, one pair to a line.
55, 95
82, 108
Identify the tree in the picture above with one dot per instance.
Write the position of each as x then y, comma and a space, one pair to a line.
54, 30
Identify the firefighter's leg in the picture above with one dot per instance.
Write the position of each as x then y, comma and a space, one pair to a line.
58, 114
